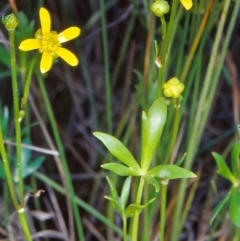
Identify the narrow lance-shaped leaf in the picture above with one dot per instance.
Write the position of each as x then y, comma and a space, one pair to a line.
125, 192
180, 161
223, 169
117, 149
132, 208
235, 159
114, 203
33, 166
114, 199
152, 127
170, 172
152, 180
234, 207
120, 169
220, 206
112, 189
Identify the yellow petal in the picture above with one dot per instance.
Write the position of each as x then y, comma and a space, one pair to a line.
46, 62
68, 34
30, 44
187, 3
45, 20
68, 56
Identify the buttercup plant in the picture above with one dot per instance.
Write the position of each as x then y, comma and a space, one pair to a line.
11, 23
152, 126
49, 44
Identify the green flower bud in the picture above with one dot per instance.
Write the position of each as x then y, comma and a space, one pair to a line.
160, 7
10, 21
173, 88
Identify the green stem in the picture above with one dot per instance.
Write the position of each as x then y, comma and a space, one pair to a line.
7, 170
71, 193
20, 209
164, 28
27, 84
163, 208
166, 45
106, 67
124, 229
175, 127
16, 114
24, 224
137, 213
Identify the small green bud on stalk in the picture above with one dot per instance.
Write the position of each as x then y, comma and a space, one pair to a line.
160, 7
10, 22
173, 88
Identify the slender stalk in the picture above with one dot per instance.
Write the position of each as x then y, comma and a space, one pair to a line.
7, 170
23, 220
166, 45
175, 127
124, 229
147, 61
163, 208
137, 213
164, 28
58, 140
27, 84
106, 67
19, 208
16, 114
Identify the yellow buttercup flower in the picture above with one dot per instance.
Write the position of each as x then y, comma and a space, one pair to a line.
187, 3
49, 42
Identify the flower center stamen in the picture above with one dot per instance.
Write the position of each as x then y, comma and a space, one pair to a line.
49, 41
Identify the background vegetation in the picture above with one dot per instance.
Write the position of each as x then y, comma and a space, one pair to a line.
115, 80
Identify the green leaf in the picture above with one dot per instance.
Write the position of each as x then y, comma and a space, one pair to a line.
114, 203
33, 166
152, 127
25, 28
170, 172
180, 161
2, 171
219, 207
125, 192
235, 159
28, 166
120, 169
114, 199
117, 149
112, 189
4, 56
133, 208
223, 169
234, 207
151, 180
